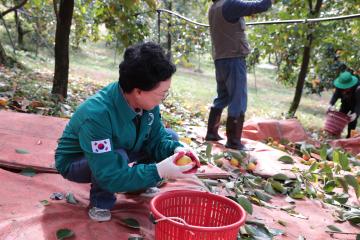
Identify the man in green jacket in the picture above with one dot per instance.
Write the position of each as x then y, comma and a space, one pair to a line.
119, 122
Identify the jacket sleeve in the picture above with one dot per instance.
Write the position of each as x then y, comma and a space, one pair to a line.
335, 97
234, 9
108, 168
160, 144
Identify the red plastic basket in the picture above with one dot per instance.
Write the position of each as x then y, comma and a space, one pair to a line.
335, 122
192, 215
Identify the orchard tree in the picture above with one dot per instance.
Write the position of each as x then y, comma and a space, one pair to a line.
315, 48
123, 19
63, 12
191, 39
3, 57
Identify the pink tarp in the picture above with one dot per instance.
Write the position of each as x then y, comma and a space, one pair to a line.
35, 134
23, 217
260, 129
350, 144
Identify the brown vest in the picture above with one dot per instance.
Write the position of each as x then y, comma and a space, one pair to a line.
228, 39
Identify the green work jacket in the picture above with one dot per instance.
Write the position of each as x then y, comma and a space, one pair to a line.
104, 123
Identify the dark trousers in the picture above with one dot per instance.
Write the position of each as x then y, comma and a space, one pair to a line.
231, 85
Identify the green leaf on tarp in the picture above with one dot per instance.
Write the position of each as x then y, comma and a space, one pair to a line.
269, 189
70, 198
29, 172
351, 180
22, 151
329, 186
341, 181
310, 190
130, 222
314, 167
280, 176
341, 198
218, 156
275, 232
352, 216
297, 194
278, 187
208, 150
336, 156
286, 159
45, 202
262, 195
258, 232
333, 228
240, 155
323, 152
64, 233
232, 198
344, 162
245, 203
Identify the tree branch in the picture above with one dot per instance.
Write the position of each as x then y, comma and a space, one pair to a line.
318, 6
310, 6
2, 14
56, 10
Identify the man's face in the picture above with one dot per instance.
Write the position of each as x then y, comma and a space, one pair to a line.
147, 100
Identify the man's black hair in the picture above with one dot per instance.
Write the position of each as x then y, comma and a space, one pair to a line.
144, 66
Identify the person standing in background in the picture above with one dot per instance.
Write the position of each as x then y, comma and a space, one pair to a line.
230, 47
347, 89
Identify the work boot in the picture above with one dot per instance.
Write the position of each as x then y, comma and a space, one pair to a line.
234, 128
213, 125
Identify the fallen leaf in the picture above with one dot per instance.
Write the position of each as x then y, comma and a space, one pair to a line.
286, 159
21, 151
30, 172
45, 202
64, 233
333, 228
131, 222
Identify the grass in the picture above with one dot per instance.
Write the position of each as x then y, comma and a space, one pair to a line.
96, 62
266, 97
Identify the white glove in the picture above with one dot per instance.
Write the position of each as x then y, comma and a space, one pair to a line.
169, 170
352, 116
331, 108
190, 153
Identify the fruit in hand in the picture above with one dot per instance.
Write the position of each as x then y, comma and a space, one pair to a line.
184, 160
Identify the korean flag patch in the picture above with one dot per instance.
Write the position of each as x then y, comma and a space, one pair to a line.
101, 146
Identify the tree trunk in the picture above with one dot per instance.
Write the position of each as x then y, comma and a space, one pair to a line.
63, 25
305, 60
169, 31
301, 78
20, 31
3, 57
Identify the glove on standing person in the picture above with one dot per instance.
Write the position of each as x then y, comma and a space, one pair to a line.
169, 170
331, 108
352, 116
